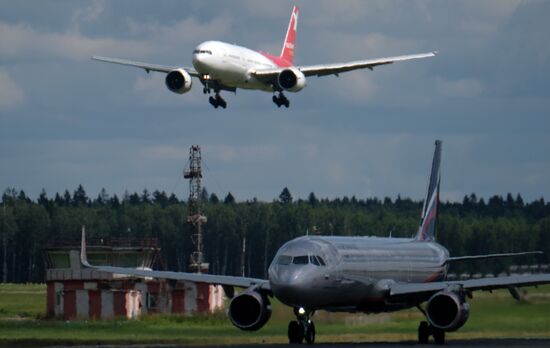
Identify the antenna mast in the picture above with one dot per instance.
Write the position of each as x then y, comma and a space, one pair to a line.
195, 217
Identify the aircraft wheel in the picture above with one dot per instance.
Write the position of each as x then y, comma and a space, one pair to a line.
439, 336
295, 332
213, 102
286, 103
423, 332
310, 333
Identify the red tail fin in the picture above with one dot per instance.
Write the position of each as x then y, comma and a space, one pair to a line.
290, 40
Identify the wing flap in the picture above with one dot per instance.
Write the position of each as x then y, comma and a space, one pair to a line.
147, 66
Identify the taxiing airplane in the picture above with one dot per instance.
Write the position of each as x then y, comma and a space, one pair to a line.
356, 274
222, 66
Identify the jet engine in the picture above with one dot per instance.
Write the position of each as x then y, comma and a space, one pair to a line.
250, 310
291, 79
178, 81
447, 310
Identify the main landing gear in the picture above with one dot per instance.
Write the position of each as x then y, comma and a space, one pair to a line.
426, 330
302, 328
217, 101
280, 99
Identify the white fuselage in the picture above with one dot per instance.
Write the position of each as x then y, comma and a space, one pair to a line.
231, 65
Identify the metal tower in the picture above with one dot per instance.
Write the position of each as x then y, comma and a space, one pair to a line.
195, 217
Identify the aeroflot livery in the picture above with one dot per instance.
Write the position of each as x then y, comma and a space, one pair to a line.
356, 274
222, 66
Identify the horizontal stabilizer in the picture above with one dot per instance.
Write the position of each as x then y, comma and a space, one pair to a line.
491, 256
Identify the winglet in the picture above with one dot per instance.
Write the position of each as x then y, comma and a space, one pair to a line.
83, 253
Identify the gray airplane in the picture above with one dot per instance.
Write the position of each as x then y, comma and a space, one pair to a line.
356, 274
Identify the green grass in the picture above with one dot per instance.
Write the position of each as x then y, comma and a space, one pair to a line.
492, 315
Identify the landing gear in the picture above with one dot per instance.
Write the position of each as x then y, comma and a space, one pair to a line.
280, 99
217, 101
295, 332
425, 330
439, 336
302, 328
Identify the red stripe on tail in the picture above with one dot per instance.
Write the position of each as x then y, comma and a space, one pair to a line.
290, 40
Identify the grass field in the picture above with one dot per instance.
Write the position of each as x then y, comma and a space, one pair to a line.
494, 315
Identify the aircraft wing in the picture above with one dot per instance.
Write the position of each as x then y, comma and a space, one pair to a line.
147, 66
490, 256
411, 289
337, 68
231, 281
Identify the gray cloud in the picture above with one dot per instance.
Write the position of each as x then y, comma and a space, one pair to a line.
65, 120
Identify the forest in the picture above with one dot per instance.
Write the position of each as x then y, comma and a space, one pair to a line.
473, 226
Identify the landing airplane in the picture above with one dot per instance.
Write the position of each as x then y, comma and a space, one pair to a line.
222, 66
356, 274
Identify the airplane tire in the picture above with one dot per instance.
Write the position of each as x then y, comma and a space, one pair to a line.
423, 332
295, 332
439, 336
213, 102
287, 103
310, 333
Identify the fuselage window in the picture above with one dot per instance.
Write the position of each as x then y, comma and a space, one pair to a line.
284, 260
300, 260
202, 51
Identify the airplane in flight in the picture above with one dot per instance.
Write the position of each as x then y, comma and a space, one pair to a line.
356, 274
220, 66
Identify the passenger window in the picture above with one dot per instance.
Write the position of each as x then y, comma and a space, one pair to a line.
284, 260
300, 260
313, 260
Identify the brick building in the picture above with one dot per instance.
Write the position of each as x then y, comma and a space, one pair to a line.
77, 293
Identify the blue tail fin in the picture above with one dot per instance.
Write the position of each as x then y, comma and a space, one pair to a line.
428, 220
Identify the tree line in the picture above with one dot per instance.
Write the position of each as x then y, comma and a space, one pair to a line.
473, 226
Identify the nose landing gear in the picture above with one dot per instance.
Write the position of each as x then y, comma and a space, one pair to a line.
303, 328
280, 99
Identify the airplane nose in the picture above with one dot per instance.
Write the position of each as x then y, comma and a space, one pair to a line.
291, 286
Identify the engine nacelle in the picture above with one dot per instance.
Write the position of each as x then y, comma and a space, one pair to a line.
178, 81
291, 79
447, 310
250, 310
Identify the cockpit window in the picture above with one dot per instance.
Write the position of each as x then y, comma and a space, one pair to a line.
202, 51
300, 260
321, 261
313, 259
316, 260
284, 260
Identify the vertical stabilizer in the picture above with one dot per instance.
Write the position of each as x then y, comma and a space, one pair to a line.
428, 220
290, 39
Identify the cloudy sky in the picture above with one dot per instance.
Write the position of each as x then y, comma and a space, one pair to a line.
66, 120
